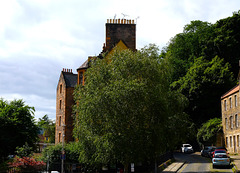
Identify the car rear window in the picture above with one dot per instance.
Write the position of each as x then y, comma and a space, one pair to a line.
220, 151
220, 156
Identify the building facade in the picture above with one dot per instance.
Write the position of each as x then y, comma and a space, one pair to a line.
121, 34
230, 119
64, 103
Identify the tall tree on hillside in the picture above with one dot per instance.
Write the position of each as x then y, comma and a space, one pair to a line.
17, 126
204, 84
185, 47
123, 109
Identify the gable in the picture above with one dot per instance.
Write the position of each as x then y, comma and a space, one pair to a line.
119, 46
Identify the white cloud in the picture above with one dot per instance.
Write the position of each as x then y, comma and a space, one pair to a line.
38, 38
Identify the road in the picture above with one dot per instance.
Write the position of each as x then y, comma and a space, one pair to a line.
196, 163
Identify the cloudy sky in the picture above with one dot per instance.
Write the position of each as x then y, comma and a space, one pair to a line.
38, 38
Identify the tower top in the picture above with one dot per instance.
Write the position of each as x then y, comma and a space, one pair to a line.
120, 21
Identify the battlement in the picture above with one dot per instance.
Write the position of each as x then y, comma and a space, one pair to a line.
67, 70
120, 21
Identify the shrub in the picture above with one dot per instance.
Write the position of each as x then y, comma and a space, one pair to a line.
26, 164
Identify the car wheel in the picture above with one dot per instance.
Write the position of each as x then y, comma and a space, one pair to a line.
213, 166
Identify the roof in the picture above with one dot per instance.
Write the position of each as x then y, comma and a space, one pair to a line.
230, 92
70, 79
84, 65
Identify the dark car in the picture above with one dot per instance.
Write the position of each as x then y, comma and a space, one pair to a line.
206, 151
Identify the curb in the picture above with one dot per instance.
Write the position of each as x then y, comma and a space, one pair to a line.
234, 168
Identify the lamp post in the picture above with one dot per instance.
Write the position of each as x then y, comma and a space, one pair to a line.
63, 152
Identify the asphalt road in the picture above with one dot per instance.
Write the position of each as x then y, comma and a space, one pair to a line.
196, 163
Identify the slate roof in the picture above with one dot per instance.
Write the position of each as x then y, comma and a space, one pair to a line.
70, 79
84, 65
230, 92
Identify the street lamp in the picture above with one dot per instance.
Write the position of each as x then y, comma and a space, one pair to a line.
63, 152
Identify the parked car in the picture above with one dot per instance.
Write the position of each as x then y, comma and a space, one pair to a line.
221, 159
206, 151
218, 151
187, 148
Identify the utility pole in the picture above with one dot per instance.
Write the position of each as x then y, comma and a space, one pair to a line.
63, 152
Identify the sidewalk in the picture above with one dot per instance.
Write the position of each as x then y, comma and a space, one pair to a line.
174, 167
236, 163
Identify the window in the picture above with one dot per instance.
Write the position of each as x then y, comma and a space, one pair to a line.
60, 89
60, 104
225, 105
226, 123
236, 120
59, 137
235, 98
81, 78
60, 120
231, 122
237, 140
230, 141
226, 141
230, 102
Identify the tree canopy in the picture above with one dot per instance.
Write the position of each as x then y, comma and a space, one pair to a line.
48, 127
124, 108
204, 64
17, 126
207, 134
203, 84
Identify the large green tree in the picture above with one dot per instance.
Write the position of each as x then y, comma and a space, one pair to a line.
204, 84
17, 126
207, 133
124, 109
186, 46
196, 72
48, 127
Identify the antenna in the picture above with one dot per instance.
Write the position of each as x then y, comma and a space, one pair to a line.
137, 19
124, 15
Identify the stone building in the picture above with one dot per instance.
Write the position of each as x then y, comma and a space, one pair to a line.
120, 34
64, 103
230, 119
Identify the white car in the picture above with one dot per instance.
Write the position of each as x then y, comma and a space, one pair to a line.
187, 148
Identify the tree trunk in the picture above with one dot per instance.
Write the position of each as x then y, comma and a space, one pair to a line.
126, 168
